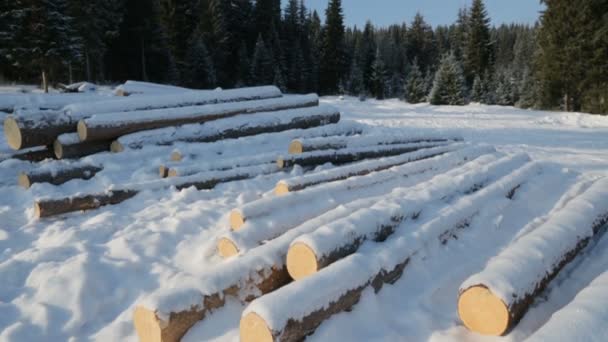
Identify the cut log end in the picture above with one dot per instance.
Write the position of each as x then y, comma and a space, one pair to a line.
295, 147
280, 163
482, 312
38, 211
82, 130
163, 171
281, 189
176, 156
172, 173
236, 220
253, 328
226, 248
12, 132
301, 261
148, 326
116, 147
24, 180
58, 149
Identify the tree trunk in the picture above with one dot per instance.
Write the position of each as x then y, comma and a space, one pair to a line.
144, 73
26, 180
45, 82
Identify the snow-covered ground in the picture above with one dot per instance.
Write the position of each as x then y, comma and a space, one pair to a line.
79, 276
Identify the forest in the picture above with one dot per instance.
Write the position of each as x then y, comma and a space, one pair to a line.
560, 63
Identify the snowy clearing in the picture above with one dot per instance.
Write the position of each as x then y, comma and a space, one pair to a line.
81, 275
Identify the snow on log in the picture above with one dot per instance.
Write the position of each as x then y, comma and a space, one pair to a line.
321, 296
232, 128
299, 146
10, 102
35, 154
58, 176
311, 252
345, 156
494, 300
69, 146
203, 181
358, 169
161, 317
113, 125
583, 319
146, 88
272, 217
38, 129
187, 169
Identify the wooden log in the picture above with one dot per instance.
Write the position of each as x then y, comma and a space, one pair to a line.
338, 157
33, 155
530, 264
296, 122
146, 88
187, 169
111, 126
10, 102
57, 177
358, 169
339, 287
23, 131
204, 181
299, 146
268, 218
589, 308
314, 251
69, 146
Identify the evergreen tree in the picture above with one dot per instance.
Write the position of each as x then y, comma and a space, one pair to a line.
12, 31
262, 70
448, 87
477, 50
505, 91
379, 77
415, 88
315, 38
200, 72
332, 66
180, 18
477, 90
420, 43
244, 67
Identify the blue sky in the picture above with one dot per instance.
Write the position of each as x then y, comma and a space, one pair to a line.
436, 12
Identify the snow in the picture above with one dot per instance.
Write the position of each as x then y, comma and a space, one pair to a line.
79, 276
146, 88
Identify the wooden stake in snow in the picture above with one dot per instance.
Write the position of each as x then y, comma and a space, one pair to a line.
69, 146
111, 126
299, 146
321, 296
338, 157
493, 301
57, 177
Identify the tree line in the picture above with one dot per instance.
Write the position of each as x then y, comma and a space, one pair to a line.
560, 62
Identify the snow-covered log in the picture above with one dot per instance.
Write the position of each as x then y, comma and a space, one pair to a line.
35, 154
583, 319
177, 169
268, 218
10, 102
58, 176
202, 181
494, 300
232, 128
38, 129
299, 146
339, 287
146, 88
349, 155
114, 125
311, 252
69, 146
358, 169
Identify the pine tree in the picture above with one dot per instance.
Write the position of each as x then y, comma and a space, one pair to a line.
200, 72
180, 18
477, 90
262, 70
379, 76
244, 67
489, 89
449, 83
420, 43
477, 50
12, 31
315, 37
504, 89
333, 64
415, 88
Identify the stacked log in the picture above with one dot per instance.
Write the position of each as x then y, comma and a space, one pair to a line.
312, 252
23, 131
187, 169
58, 176
268, 218
233, 128
358, 169
321, 296
339, 157
114, 125
10, 102
146, 88
69, 146
493, 301
35, 154
299, 146
204, 181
